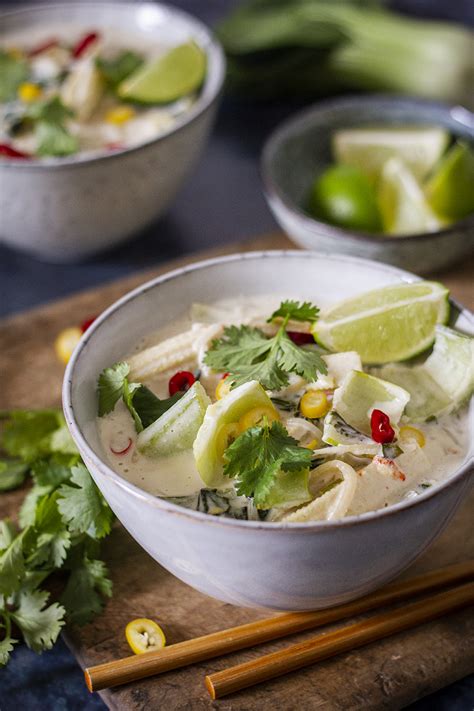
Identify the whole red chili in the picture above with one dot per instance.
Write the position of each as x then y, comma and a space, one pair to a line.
382, 430
84, 43
180, 382
10, 152
86, 323
300, 338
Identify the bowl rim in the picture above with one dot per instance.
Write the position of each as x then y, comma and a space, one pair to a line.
301, 119
168, 507
210, 90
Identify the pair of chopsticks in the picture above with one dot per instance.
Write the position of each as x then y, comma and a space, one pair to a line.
305, 653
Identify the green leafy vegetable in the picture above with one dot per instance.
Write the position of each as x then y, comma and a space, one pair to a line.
62, 519
12, 474
247, 354
114, 71
13, 71
142, 404
256, 457
49, 118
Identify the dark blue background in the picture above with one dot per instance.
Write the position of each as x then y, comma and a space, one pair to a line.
222, 202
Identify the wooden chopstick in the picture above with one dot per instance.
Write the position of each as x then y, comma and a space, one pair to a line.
122, 671
344, 639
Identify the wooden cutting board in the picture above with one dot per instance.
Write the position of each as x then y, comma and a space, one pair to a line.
387, 675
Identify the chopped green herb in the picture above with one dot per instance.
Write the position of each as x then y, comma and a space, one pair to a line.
296, 311
49, 118
13, 71
12, 474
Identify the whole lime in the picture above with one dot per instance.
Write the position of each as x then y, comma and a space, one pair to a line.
344, 196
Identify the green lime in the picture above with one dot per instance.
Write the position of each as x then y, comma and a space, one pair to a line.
388, 324
402, 202
343, 196
368, 149
450, 191
443, 381
210, 442
361, 393
175, 430
177, 73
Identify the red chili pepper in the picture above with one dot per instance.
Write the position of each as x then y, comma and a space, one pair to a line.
300, 338
121, 452
49, 44
86, 323
382, 430
224, 376
84, 43
114, 146
180, 382
10, 152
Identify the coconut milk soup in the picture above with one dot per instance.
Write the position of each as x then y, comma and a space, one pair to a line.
204, 417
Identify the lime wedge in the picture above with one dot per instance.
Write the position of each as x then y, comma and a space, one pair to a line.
450, 191
176, 430
368, 149
361, 393
389, 324
402, 202
179, 72
443, 382
226, 411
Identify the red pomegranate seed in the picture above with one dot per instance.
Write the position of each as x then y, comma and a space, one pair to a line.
180, 382
121, 452
84, 43
10, 152
43, 47
300, 338
382, 430
86, 323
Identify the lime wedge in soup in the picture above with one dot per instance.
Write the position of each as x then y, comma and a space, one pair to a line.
368, 149
170, 77
176, 430
389, 324
450, 190
402, 203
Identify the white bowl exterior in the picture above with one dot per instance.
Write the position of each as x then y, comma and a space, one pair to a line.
275, 566
69, 210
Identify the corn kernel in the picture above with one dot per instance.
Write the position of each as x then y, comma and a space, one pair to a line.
225, 437
256, 416
223, 388
312, 445
314, 404
66, 342
29, 92
119, 115
407, 433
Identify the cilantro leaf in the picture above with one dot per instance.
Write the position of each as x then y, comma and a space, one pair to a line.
110, 387
53, 538
82, 594
293, 359
50, 473
27, 433
62, 442
13, 71
6, 646
149, 407
12, 566
115, 70
27, 512
296, 311
7, 534
40, 625
256, 457
53, 138
240, 345
82, 506
12, 474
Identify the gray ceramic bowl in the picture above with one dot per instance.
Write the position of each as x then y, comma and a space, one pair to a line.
300, 149
283, 566
63, 209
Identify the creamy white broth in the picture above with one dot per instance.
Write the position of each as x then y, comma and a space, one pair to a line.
447, 440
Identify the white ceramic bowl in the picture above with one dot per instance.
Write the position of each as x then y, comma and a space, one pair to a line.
272, 565
64, 209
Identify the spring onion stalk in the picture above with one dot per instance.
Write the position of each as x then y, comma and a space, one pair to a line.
322, 47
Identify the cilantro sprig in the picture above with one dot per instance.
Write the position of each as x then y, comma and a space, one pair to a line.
258, 455
50, 122
62, 521
142, 404
247, 354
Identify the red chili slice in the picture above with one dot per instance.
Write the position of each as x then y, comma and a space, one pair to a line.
300, 338
180, 382
49, 44
9, 152
382, 430
84, 43
121, 452
86, 323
